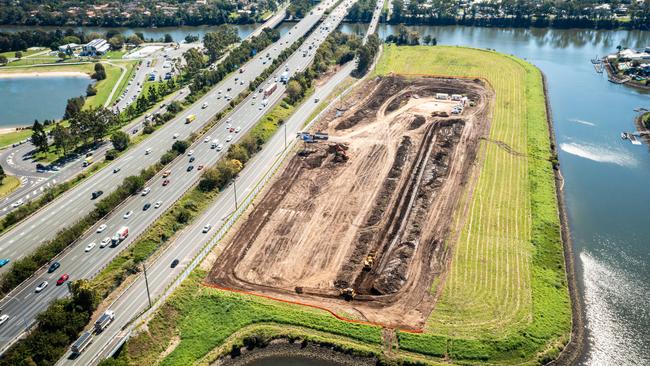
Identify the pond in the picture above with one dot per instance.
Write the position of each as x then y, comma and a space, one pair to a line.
25, 98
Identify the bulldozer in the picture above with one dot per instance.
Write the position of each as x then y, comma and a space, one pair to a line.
348, 293
368, 262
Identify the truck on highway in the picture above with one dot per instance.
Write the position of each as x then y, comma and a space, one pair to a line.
270, 89
80, 344
284, 77
120, 235
190, 118
104, 321
214, 144
87, 161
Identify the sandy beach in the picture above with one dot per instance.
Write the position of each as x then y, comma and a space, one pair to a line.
4, 75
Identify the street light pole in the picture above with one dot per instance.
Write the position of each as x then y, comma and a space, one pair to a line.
146, 281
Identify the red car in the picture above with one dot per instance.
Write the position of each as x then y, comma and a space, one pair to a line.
199, 167
62, 279
165, 182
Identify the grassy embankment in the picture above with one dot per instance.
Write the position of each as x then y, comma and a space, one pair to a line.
505, 299
8, 184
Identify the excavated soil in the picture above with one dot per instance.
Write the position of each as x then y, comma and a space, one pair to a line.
370, 209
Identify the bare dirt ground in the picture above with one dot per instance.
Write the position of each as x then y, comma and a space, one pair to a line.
368, 210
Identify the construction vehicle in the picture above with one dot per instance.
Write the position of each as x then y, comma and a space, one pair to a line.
348, 293
368, 262
340, 154
321, 136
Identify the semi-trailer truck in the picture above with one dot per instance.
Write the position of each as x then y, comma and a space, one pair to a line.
81, 343
104, 321
270, 89
120, 235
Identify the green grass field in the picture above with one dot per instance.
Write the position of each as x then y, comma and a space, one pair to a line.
8, 184
505, 299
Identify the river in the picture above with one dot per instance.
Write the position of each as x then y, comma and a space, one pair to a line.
24, 99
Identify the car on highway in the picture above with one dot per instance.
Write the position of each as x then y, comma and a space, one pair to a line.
101, 228
237, 129
62, 279
146, 191
105, 242
165, 182
205, 105
157, 204
17, 203
148, 151
192, 159
53, 267
189, 168
96, 194
175, 135
207, 228
206, 139
3, 318
128, 214
4, 261
229, 138
174, 263
219, 147
166, 173
116, 170
41, 286
190, 153
200, 167
90, 247
146, 206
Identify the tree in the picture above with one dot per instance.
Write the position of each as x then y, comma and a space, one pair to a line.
116, 42
100, 72
120, 140
168, 38
216, 42
18, 54
61, 137
73, 107
294, 90
180, 146
134, 39
91, 90
191, 38
2, 174
39, 137
427, 39
84, 295
194, 60
3, 60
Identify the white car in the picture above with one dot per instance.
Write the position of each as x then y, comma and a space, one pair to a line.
148, 151
175, 136
205, 105
229, 120
90, 246
41, 286
206, 139
190, 153
219, 147
228, 125
17, 203
207, 228
157, 204
229, 138
3, 318
146, 191
105, 242
128, 214
101, 228
237, 129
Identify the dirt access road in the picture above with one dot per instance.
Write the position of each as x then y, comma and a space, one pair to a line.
357, 224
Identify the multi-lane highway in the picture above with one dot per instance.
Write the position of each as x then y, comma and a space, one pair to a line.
74, 204
24, 303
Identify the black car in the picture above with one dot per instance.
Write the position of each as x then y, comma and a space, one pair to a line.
189, 168
229, 89
174, 263
97, 194
53, 267
192, 159
146, 206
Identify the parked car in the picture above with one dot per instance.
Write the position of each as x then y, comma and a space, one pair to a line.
62, 279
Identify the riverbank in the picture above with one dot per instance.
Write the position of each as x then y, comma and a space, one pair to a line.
8, 73
614, 78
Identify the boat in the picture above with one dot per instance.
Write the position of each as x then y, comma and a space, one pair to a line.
623, 135
596, 60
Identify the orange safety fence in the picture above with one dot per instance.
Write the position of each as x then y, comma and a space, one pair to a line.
337, 316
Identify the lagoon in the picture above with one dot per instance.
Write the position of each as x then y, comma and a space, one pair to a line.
26, 98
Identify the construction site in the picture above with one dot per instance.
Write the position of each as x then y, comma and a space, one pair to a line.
357, 221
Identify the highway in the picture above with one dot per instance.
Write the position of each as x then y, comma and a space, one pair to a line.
24, 304
74, 204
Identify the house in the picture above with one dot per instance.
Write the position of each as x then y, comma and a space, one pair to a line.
70, 46
95, 47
